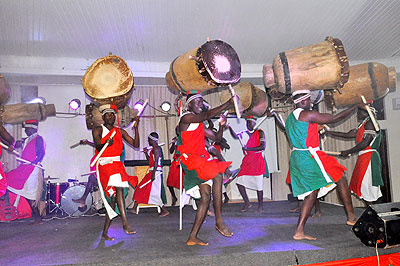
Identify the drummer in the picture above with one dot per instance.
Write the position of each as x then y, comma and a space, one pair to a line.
110, 170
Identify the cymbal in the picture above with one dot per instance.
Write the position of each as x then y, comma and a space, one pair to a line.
49, 177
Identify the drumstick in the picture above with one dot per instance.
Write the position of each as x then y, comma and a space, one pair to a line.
6, 147
75, 145
28, 162
260, 122
239, 135
141, 111
150, 147
145, 184
370, 113
102, 150
335, 153
234, 101
92, 172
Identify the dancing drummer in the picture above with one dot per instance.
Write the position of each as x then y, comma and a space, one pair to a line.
27, 179
254, 166
151, 189
366, 179
111, 171
174, 172
312, 172
201, 173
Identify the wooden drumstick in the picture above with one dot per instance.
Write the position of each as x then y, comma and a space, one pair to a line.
102, 150
234, 101
260, 122
370, 113
6, 147
141, 111
150, 147
28, 162
334, 153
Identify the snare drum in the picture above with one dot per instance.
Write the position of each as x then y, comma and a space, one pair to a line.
70, 207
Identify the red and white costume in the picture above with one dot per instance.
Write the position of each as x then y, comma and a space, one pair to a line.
174, 173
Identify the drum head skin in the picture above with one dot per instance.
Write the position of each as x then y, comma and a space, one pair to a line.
71, 207
107, 77
221, 62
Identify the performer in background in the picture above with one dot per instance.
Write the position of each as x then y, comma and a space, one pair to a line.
27, 180
201, 173
312, 172
8, 140
254, 166
367, 174
110, 170
174, 171
152, 192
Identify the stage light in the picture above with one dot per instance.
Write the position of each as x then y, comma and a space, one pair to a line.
74, 104
165, 106
139, 105
38, 100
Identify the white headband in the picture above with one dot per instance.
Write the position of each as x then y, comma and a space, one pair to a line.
153, 138
307, 94
251, 119
31, 126
195, 96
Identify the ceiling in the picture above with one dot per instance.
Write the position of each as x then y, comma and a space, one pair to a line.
65, 37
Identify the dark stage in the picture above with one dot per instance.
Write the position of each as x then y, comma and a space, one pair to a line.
259, 239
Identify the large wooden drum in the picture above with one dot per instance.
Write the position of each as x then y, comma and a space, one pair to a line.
20, 112
109, 80
253, 99
373, 80
94, 117
211, 65
316, 67
5, 90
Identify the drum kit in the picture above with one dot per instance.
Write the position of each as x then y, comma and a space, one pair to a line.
60, 196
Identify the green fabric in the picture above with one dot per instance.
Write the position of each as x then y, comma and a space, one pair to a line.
376, 164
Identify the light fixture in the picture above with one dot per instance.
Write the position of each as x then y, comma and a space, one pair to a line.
139, 105
165, 106
38, 100
74, 104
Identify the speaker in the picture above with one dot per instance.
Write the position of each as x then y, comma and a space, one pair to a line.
380, 223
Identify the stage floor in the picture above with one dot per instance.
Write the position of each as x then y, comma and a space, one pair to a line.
259, 239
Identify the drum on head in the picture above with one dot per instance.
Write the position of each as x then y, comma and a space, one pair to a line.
70, 207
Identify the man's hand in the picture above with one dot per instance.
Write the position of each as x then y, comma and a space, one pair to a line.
136, 121
110, 142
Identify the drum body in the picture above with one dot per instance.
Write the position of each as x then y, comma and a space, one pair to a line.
94, 118
253, 99
5, 90
109, 80
70, 207
372, 80
316, 67
20, 112
211, 65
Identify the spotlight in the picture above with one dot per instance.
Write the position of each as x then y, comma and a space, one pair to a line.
166, 106
74, 104
38, 100
139, 105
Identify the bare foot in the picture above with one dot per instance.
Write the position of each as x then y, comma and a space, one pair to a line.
246, 207
225, 231
298, 236
196, 241
106, 237
210, 213
260, 210
37, 221
164, 213
295, 209
174, 200
128, 230
351, 223
316, 215
133, 211
80, 201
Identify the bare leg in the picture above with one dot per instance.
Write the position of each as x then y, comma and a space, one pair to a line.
134, 209
35, 212
202, 207
121, 207
297, 208
107, 222
210, 211
317, 213
305, 210
217, 203
226, 198
260, 197
344, 194
243, 193
174, 198
92, 181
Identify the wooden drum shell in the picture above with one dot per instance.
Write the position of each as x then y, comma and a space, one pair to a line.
5, 90
253, 99
183, 74
316, 67
20, 112
109, 80
370, 79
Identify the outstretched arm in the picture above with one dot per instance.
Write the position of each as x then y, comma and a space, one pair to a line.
260, 147
325, 118
347, 135
96, 133
135, 142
